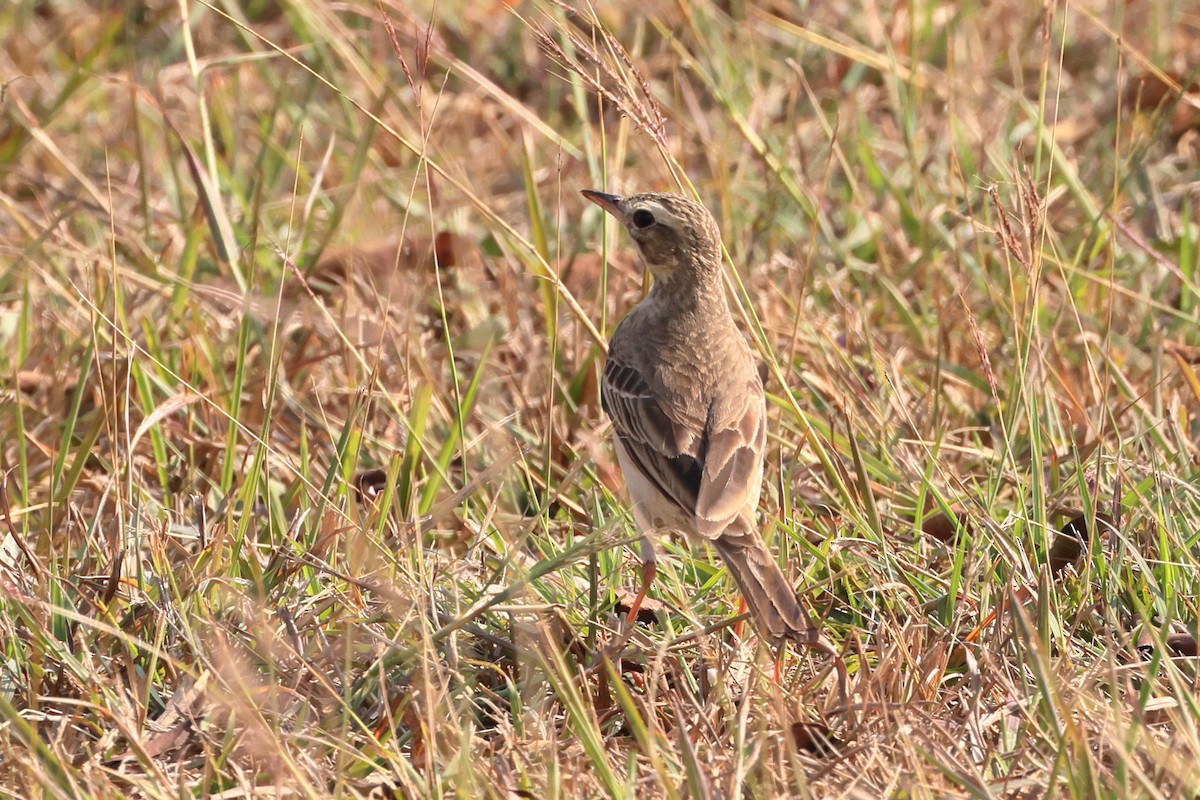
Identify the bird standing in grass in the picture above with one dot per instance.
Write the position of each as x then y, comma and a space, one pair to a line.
687, 406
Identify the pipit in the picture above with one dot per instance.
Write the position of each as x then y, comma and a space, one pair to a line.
687, 406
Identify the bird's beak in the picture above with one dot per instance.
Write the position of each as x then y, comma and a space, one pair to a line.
609, 202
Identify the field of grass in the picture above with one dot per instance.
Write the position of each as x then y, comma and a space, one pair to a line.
306, 487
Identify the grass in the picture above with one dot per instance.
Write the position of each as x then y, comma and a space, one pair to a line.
307, 491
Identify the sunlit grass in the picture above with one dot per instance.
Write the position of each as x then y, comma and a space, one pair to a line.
307, 489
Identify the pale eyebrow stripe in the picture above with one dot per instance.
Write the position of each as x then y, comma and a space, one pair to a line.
661, 214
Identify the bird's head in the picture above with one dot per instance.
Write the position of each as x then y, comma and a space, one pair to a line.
676, 237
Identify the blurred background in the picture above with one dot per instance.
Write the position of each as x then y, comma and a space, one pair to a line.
306, 484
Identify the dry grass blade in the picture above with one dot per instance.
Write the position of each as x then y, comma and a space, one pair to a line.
602, 74
349, 523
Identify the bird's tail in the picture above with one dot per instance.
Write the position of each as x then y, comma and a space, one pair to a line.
773, 605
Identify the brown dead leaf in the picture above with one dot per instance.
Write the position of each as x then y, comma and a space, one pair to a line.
945, 527
176, 725
1170, 90
647, 613
814, 738
1182, 645
375, 262
31, 381
369, 484
56, 392
1072, 541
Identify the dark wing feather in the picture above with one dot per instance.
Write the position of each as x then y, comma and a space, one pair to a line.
668, 452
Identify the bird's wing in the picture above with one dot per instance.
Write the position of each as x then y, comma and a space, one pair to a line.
666, 448
735, 436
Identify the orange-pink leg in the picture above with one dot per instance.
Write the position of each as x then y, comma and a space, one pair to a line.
740, 627
649, 570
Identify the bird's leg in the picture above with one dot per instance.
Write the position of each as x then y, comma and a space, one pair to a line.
649, 570
740, 627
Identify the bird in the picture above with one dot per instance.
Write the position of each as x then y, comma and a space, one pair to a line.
688, 412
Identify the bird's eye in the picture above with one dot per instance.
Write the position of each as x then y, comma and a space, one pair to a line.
643, 218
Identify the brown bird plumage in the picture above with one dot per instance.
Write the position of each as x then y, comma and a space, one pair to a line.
687, 406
